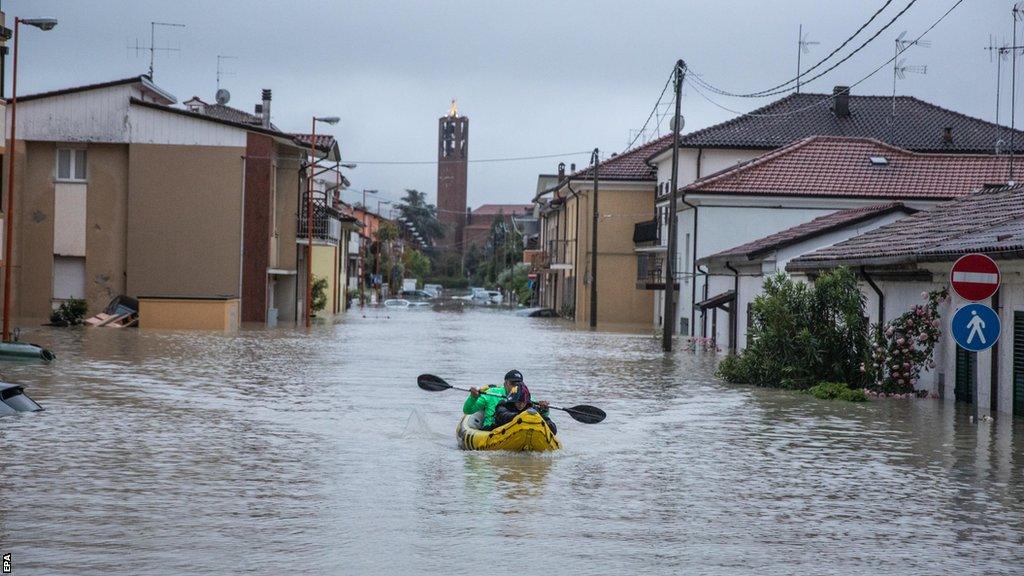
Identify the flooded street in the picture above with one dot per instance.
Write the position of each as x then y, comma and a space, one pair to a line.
278, 451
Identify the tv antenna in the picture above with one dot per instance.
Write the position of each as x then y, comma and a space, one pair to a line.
802, 47
999, 55
220, 71
152, 48
900, 69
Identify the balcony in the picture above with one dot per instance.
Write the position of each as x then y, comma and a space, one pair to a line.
326, 223
650, 271
647, 233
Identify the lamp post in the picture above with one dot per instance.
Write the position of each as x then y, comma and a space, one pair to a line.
376, 261
309, 214
43, 24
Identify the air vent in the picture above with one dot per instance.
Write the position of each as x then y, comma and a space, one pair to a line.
878, 160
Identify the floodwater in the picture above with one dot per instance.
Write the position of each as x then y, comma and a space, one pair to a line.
278, 451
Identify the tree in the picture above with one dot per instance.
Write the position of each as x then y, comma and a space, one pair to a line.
422, 216
416, 263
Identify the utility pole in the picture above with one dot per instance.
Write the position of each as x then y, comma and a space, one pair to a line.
669, 327
595, 160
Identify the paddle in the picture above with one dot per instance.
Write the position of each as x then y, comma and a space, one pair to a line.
581, 413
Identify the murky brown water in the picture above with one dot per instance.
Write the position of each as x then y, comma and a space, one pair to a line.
291, 453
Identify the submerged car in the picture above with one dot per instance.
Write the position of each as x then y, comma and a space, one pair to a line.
13, 400
396, 303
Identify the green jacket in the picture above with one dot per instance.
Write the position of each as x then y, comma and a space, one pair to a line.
488, 400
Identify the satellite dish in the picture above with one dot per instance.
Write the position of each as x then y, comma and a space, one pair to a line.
223, 96
672, 123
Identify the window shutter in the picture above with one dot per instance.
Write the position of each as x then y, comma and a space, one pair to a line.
1018, 363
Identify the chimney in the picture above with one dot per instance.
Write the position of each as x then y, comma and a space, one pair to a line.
841, 101
572, 168
561, 171
947, 134
265, 111
469, 216
259, 111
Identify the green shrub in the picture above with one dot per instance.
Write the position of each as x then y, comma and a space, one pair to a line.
733, 370
71, 312
801, 333
837, 391
319, 294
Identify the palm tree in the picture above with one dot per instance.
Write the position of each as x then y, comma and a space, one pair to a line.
414, 208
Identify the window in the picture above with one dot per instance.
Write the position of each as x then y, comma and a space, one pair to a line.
71, 164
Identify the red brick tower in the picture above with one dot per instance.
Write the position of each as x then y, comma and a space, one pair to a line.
452, 153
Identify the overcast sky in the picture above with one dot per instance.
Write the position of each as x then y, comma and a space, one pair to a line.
534, 77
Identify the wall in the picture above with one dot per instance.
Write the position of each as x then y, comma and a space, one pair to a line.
258, 228
185, 220
106, 224
324, 263
32, 272
619, 302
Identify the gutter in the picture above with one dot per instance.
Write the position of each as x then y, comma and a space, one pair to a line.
881, 297
576, 248
733, 316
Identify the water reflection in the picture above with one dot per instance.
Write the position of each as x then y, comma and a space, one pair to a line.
316, 451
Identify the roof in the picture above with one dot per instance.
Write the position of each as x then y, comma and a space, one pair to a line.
629, 165
806, 231
842, 166
506, 209
324, 142
208, 118
990, 220
147, 85
919, 125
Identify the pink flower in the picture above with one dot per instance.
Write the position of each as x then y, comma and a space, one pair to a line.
900, 341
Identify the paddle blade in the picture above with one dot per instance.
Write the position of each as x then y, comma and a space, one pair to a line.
432, 383
586, 414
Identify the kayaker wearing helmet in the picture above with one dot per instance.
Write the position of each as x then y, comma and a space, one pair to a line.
518, 399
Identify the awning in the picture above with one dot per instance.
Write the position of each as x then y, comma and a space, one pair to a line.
723, 301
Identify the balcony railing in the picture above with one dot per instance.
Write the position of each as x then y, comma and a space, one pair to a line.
650, 271
647, 233
326, 223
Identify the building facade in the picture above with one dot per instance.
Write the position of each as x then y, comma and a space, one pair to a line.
452, 176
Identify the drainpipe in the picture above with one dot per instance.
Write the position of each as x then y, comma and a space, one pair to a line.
733, 317
881, 297
595, 159
576, 247
693, 267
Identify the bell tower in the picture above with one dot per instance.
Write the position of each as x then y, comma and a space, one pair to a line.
452, 154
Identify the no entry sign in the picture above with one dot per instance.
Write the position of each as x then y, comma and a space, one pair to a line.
975, 277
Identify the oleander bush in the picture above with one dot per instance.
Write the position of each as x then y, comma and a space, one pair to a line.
71, 312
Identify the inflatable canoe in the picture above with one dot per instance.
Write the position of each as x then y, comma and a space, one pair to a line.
526, 433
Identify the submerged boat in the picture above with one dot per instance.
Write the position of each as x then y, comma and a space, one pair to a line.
527, 432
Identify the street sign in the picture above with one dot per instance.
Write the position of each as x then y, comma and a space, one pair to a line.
975, 327
974, 277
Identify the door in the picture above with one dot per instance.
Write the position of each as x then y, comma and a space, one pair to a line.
1018, 364
68, 277
966, 375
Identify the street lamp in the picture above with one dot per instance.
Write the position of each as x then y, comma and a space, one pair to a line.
43, 24
309, 215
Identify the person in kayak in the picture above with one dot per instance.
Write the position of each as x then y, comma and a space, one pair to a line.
486, 399
517, 400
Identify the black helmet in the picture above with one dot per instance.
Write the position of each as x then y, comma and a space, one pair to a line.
514, 376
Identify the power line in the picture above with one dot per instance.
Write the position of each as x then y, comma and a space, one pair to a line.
774, 92
832, 97
653, 111
471, 161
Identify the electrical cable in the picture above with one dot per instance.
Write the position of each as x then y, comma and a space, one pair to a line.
470, 160
831, 97
712, 88
653, 110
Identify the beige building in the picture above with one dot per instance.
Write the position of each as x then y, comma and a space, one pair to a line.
625, 198
119, 193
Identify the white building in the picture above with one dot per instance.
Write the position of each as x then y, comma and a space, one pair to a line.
716, 218
901, 260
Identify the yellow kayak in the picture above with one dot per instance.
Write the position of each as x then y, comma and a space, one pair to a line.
526, 433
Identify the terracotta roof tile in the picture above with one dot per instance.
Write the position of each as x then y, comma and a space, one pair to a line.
919, 125
990, 220
629, 165
841, 166
818, 226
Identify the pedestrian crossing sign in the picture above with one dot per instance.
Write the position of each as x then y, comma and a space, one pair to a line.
975, 327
